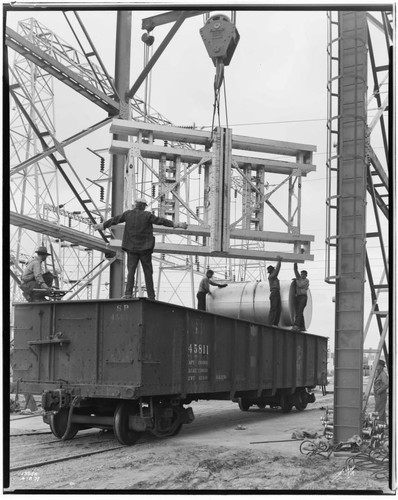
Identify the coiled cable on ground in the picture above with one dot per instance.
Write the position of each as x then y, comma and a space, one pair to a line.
373, 458
374, 461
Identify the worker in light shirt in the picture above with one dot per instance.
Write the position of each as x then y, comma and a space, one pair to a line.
300, 301
36, 276
204, 289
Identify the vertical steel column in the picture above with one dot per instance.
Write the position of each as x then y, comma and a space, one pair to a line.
122, 84
219, 192
351, 225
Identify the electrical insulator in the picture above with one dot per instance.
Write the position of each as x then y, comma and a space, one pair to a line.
102, 165
102, 193
153, 190
166, 143
70, 221
236, 193
200, 169
197, 211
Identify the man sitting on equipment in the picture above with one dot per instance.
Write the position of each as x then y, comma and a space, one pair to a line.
36, 276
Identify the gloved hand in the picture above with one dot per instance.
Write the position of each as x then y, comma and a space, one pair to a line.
222, 286
99, 227
182, 225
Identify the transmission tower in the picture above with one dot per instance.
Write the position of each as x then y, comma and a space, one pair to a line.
80, 258
359, 163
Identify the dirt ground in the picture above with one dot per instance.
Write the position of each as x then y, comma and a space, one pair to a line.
223, 450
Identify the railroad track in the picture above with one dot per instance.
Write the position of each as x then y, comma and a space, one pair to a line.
24, 455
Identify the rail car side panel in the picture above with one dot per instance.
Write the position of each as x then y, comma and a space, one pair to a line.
127, 349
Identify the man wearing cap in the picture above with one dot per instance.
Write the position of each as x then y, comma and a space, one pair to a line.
35, 275
380, 387
138, 242
275, 294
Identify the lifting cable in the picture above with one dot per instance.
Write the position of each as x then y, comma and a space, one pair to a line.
221, 38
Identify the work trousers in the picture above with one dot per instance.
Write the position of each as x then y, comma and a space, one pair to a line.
275, 307
299, 305
201, 296
380, 405
146, 262
28, 287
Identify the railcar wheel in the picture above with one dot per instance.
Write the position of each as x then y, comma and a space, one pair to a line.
261, 406
244, 405
286, 405
121, 424
301, 401
177, 431
59, 424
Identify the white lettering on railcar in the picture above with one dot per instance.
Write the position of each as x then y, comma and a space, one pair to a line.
202, 349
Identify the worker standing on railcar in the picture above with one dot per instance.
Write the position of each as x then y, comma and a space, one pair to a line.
139, 242
380, 387
204, 289
36, 275
275, 294
300, 301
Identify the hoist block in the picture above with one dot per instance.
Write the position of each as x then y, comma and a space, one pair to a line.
220, 37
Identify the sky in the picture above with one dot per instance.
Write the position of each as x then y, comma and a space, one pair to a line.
275, 87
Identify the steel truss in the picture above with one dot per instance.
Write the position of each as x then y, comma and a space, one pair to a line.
36, 156
176, 176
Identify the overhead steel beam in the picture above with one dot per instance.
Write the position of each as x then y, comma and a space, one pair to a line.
149, 23
61, 232
61, 72
194, 156
62, 145
156, 55
233, 253
56, 162
94, 243
203, 138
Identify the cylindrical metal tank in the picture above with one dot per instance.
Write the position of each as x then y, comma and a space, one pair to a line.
250, 301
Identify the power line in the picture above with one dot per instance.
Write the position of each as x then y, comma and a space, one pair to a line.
272, 123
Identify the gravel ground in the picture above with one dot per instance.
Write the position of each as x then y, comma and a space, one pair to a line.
217, 452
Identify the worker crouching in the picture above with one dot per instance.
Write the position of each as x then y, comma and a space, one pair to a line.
36, 276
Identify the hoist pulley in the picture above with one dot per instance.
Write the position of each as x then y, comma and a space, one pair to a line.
221, 38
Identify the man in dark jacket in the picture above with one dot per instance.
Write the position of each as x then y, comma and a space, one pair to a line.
138, 242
